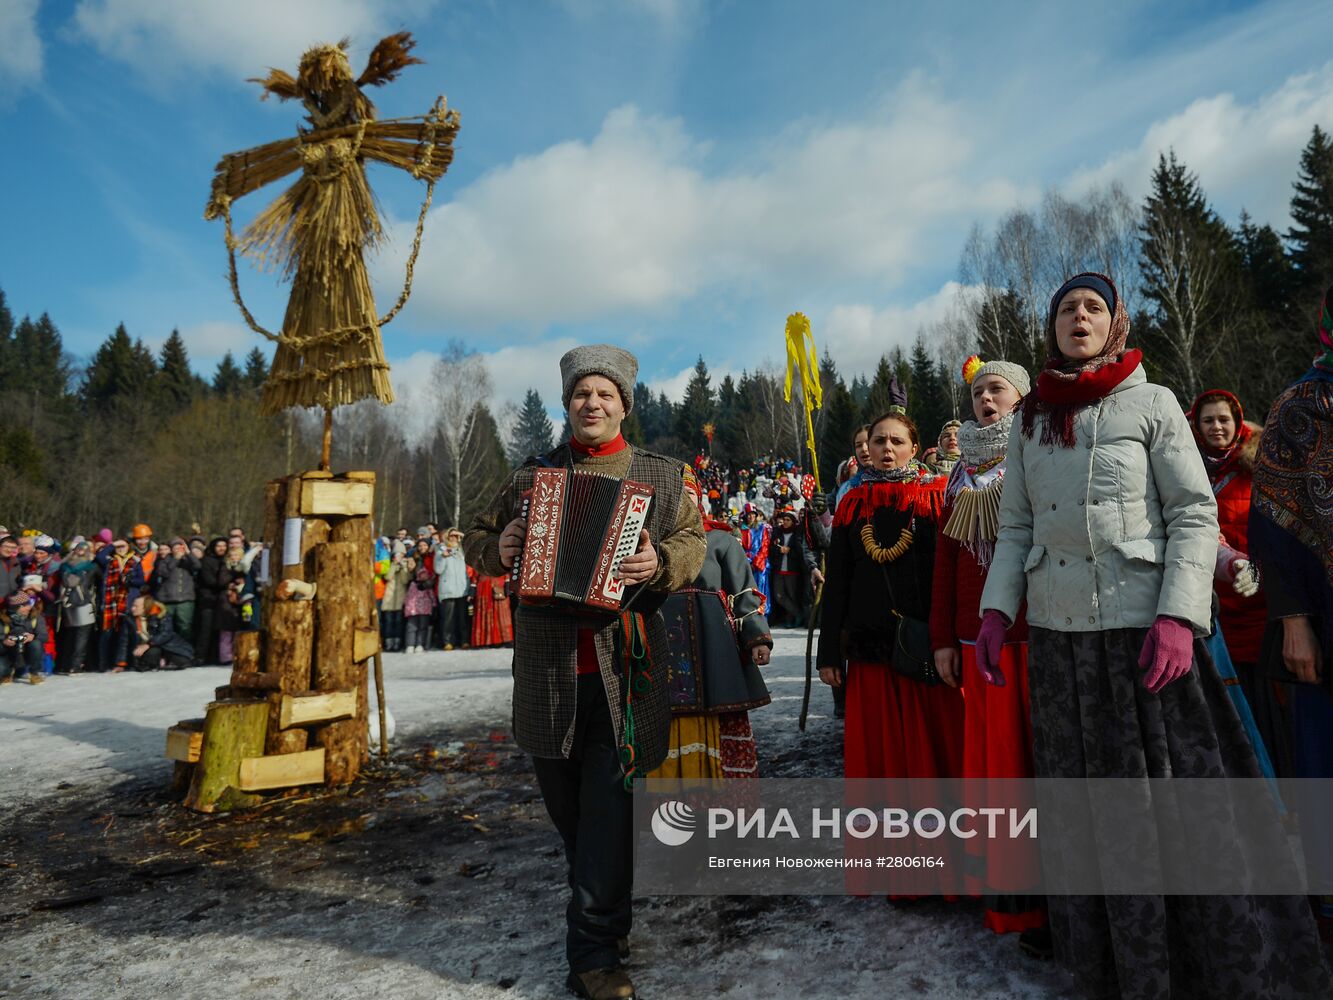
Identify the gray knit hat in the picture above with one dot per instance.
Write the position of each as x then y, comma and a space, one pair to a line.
1015, 375
615, 363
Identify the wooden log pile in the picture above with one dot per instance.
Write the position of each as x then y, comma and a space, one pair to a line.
296, 710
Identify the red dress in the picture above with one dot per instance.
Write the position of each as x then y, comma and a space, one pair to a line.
895, 727
492, 622
997, 721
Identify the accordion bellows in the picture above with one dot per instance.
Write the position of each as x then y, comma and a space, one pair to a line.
581, 526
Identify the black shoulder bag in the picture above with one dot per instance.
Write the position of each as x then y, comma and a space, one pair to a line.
912, 656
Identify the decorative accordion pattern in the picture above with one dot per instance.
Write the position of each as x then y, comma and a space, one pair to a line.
581, 526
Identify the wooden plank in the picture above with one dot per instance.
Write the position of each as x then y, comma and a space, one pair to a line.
305, 709
316, 474
282, 771
184, 744
366, 644
330, 497
359, 477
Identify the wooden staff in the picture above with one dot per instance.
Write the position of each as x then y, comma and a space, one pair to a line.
379, 693
809, 649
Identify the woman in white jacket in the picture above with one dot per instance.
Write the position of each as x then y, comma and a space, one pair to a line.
1108, 527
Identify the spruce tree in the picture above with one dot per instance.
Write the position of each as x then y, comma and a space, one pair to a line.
121, 373
176, 383
930, 401
878, 398
1192, 279
7, 371
727, 442
632, 430
1311, 233
256, 370
842, 418
533, 431
39, 358
696, 409
228, 380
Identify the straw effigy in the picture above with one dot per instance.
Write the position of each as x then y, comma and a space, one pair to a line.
316, 233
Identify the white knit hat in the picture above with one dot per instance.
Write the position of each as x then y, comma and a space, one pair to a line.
1015, 375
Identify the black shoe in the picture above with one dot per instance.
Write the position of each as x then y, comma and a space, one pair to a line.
601, 984
1037, 943
622, 948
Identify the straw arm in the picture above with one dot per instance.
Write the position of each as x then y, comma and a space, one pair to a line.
238, 174
424, 148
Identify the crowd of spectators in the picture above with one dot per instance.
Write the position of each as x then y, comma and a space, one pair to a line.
108, 603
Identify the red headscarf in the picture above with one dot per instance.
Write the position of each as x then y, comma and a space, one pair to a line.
1219, 463
1065, 386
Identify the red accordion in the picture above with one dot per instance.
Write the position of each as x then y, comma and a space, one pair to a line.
581, 526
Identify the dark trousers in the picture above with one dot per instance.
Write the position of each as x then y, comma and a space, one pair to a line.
453, 622
21, 658
587, 801
106, 649
391, 629
789, 598
205, 637
72, 648
158, 659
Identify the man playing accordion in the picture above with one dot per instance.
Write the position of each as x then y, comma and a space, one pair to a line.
588, 704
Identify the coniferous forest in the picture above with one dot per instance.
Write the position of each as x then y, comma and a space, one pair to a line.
131, 434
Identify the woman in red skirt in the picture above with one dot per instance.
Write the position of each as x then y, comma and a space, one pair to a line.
492, 624
997, 737
880, 560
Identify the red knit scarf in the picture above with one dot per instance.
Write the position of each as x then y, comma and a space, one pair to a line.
616, 444
1059, 399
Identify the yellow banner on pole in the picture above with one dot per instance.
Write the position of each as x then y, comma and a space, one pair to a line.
803, 358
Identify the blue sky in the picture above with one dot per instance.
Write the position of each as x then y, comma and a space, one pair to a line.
673, 175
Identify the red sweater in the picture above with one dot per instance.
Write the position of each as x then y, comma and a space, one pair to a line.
1243, 618
955, 598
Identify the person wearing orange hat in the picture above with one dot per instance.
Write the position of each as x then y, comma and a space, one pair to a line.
141, 539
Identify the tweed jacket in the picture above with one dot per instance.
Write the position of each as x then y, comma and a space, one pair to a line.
1113, 532
546, 638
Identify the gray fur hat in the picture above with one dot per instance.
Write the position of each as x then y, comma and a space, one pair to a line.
1015, 375
615, 363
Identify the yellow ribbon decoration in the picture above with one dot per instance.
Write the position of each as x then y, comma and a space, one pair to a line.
802, 356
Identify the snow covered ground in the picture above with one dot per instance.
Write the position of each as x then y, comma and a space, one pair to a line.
438, 875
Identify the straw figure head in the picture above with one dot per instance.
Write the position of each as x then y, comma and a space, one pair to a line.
325, 84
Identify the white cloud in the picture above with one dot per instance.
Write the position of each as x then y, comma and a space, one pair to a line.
208, 342
631, 222
1246, 154
21, 55
239, 38
859, 335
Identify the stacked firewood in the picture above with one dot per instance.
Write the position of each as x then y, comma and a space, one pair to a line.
296, 711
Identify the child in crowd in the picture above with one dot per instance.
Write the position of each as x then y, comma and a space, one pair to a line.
24, 632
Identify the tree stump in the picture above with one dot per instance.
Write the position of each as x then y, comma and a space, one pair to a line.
233, 730
339, 575
291, 637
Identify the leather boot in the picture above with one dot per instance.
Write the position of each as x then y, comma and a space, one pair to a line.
602, 984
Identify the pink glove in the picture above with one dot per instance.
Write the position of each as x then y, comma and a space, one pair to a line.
1168, 653
990, 639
